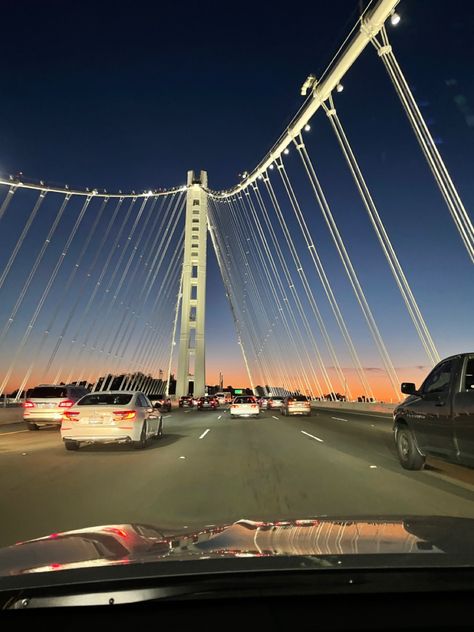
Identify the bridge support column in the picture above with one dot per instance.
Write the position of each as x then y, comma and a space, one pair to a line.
191, 358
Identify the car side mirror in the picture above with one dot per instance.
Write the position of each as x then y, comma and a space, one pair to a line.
408, 388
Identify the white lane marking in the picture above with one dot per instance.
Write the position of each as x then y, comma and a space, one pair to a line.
275, 417
15, 432
312, 436
205, 433
166, 416
372, 425
368, 415
339, 419
373, 467
182, 457
219, 417
187, 411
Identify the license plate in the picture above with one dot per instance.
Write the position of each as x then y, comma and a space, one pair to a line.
46, 406
96, 422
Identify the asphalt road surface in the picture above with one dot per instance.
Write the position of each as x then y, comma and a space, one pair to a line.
209, 470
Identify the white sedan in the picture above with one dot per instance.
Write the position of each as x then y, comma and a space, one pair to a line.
111, 417
244, 406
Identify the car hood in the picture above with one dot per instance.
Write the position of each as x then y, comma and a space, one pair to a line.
329, 538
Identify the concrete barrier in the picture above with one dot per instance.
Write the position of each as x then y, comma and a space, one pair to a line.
376, 407
11, 415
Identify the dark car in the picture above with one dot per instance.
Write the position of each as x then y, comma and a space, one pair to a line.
163, 403
207, 402
186, 401
438, 418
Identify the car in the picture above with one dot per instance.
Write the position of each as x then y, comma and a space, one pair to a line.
224, 397
111, 417
207, 402
438, 418
275, 402
45, 404
244, 406
163, 403
185, 402
296, 405
263, 402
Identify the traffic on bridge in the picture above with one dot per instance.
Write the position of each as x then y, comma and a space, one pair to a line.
268, 363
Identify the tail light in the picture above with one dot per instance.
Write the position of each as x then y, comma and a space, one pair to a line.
28, 404
71, 415
125, 414
66, 403
253, 405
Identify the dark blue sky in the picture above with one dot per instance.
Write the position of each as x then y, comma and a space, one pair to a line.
131, 98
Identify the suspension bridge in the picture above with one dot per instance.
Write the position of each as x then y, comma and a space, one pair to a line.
109, 288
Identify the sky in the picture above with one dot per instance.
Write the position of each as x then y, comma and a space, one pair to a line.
131, 98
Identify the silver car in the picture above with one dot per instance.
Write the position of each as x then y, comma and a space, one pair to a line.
46, 403
111, 417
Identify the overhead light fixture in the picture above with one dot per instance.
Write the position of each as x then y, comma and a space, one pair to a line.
271, 166
286, 151
307, 127
308, 84
395, 18
339, 87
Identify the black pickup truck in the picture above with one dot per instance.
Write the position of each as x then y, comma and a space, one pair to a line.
438, 419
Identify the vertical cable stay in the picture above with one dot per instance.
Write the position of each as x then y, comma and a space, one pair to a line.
302, 380
162, 290
173, 335
33, 270
81, 290
435, 161
7, 199
382, 235
307, 288
234, 270
24, 232
287, 307
40, 304
221, 264
294, 293
324, 279
225, 262
106, 356
347, 263
269, 327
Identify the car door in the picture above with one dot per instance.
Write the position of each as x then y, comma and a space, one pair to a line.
431, 414
463, 412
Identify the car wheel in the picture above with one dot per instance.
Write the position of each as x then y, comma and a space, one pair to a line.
408, 454
141, 443
71, 445
32, 426
308, 414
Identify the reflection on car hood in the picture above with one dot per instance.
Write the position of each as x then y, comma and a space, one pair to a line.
137, 543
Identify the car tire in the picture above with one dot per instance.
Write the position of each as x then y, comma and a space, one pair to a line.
141, 443
408, 453
308, 414
71, 445
32, 426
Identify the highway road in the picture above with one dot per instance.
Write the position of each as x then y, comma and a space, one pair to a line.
209, 469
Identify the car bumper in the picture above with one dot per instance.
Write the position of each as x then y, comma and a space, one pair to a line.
44, 420
299, 411
104, 434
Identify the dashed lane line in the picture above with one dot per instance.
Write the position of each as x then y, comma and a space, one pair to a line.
339, 419
312, 436
205, 433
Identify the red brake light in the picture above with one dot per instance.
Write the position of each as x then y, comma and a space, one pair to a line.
28, 404
125, 414
71, 414
66, 403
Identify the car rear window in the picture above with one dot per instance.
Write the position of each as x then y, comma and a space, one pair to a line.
299, 398
47, 392
106, 399
244, 400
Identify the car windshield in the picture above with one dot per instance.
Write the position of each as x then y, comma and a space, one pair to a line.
106, 399
236, 289
47, 392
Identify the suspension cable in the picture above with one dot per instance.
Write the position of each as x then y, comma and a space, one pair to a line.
382, 236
